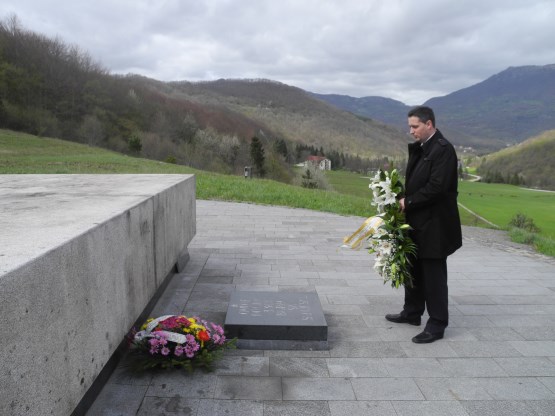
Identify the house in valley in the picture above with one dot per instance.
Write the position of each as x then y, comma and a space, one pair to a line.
320, 162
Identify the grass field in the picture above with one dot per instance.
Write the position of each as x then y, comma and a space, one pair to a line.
24, 154
495, 202
499, 203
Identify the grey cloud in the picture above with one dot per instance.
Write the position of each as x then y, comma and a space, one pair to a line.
402, 49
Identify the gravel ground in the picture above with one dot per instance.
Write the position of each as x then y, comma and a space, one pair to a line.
500, 239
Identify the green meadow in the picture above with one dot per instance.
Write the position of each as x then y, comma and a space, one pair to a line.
27, 154
497, 203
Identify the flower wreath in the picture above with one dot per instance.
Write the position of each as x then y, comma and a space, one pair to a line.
178, 341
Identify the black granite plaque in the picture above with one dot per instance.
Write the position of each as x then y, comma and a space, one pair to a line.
275, 317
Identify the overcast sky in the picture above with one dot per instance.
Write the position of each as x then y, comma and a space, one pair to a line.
408, 50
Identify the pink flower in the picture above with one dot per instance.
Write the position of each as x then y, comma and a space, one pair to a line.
189, 351
219, 339
153, 351
218, 329
178, 351
153, 342
165, 351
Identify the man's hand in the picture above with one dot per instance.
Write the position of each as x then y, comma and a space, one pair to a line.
402, 203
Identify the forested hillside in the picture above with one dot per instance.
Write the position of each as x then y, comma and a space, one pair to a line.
295, 115
50, 88
53, 89
530, 163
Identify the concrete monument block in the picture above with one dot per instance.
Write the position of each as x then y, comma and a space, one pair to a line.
81, 256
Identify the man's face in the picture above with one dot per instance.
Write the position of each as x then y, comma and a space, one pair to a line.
419, 130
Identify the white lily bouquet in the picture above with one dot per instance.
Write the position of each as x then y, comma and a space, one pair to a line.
387, 232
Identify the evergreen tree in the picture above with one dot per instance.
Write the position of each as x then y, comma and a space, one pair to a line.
135, 143
257, 156
308, 180
281, 148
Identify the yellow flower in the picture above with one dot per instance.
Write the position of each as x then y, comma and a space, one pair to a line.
146, 323
197, 327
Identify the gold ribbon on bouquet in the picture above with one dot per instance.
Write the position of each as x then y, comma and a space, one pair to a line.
365, 231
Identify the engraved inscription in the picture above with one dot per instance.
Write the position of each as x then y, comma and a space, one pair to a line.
275, 316
278, 308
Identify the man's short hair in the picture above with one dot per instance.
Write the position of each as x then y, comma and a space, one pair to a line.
423, 113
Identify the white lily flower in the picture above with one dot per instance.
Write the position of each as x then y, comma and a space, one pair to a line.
385, 248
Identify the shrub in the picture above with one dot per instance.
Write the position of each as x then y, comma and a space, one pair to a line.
520, 235
135, 144
312, 178
541, 244
523, 222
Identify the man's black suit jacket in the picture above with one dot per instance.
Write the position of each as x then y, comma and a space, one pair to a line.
431, 197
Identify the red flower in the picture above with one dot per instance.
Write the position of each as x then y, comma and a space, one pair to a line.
203, 336
169, 323
181, 320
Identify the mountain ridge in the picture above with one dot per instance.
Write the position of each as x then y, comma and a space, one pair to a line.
506, 108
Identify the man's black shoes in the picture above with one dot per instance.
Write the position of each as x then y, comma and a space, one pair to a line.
424, 337
400, 319
427, 337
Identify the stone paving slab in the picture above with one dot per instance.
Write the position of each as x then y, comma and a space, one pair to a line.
497, 357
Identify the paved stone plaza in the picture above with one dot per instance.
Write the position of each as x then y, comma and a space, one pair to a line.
497, 357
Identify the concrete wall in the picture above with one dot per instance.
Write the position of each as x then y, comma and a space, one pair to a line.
80, 258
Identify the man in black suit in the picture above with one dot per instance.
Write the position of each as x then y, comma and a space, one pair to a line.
430, 206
